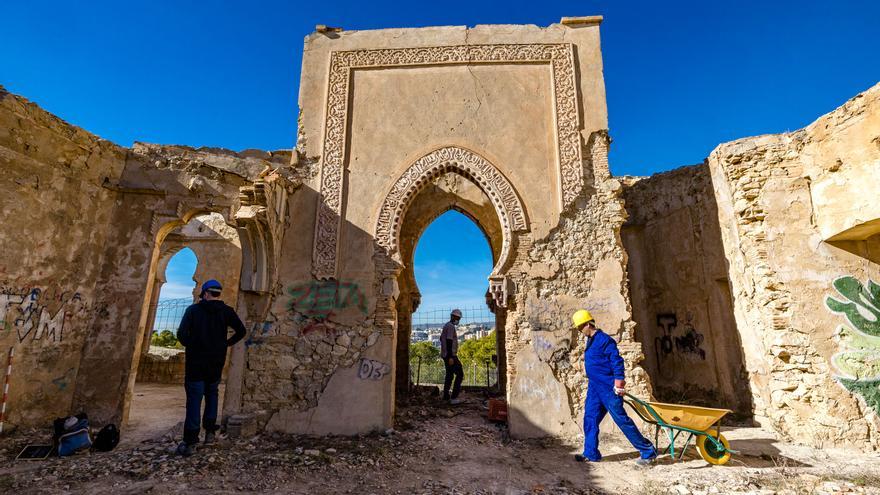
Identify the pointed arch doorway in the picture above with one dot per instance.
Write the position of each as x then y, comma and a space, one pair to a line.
449, 178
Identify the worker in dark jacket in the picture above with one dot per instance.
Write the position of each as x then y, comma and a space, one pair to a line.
203, 331
607, 383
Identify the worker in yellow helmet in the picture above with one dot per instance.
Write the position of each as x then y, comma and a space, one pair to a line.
604, 369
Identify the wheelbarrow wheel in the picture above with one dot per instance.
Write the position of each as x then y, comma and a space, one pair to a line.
710, 451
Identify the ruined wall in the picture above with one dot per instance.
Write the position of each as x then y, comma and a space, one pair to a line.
806, 310
680, 292
161, 188
162, 367
56, 216
517, 110
580, 265
82, 223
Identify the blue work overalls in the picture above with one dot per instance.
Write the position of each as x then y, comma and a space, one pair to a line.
603, 365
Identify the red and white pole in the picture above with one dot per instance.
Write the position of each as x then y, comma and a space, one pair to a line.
6, 388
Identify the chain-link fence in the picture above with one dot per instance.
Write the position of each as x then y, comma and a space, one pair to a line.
476, 322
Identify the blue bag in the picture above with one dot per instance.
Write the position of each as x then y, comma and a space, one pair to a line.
74, 438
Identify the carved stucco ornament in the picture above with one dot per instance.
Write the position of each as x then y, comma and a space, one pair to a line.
560, 57
508, 207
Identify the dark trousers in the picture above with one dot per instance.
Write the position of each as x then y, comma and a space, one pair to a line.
195, 391
455, 369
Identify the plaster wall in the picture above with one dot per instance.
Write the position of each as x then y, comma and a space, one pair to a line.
56, 216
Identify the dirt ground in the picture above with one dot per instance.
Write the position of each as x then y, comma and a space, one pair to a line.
435, 449
155, 409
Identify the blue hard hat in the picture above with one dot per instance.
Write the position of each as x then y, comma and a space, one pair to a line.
211, 285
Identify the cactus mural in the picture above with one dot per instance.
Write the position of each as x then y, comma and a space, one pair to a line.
858, 361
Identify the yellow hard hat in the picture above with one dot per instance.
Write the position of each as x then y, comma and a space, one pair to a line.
581, 316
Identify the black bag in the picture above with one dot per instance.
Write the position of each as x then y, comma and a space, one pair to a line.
107, 439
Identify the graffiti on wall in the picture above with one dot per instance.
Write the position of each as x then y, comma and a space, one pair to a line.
37, 315
370, 369
259, 332
322, 298
663, 344
62, 381
689, 344
858, 360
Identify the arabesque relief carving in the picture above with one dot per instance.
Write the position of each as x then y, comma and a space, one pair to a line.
511, 213
560, 56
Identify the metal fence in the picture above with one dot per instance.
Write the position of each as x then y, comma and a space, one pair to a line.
437, 317
431, 321
433, 373
169, 312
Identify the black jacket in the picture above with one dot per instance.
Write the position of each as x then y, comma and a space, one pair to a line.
203, 332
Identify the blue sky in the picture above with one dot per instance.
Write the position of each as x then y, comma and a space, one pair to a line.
681, 76
179, 275
452, 263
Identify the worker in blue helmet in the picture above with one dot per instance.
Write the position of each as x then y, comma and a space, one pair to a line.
203, 332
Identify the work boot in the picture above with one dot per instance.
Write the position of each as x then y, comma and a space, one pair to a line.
583, 458
184, 449
642, 462
210, 437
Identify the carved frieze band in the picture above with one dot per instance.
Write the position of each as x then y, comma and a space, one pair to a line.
560, 56
508, 206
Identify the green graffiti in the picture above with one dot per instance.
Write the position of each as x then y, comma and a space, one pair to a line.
321, 298
870, 390
858, 361
862, 307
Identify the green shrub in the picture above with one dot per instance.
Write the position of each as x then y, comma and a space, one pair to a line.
166, 338
424, 350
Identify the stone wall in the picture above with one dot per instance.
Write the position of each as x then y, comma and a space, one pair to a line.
580, 265
162, 367
806, 309
680, 292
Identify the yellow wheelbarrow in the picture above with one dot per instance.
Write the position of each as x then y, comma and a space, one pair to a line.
704, 423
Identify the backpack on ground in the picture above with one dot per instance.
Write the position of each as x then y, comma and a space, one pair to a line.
72, 434
107, 439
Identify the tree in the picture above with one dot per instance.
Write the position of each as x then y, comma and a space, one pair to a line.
477, 351
166, 338
424, 350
